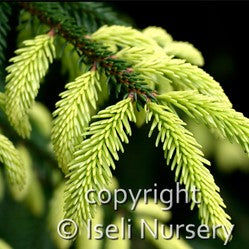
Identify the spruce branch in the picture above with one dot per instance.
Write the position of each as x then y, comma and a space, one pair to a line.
182, 151
134, 63
119, 72
92, 15
124, 37
11, 159
90, 167
185, 50
127, 37
160, 35
72, 115
151, 63
35, 147
231, 124
19, 194
186, 76
183, 76
23, 79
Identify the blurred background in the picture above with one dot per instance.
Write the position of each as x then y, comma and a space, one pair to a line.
219, 31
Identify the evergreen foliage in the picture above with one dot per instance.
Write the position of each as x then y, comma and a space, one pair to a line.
23, 80
231, 124
12, 162
182, 152
89, 168
73, 114
92, 15
146, 72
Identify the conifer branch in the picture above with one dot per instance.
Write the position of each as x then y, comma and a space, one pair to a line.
36, 148
160, 35
23, 81
92, 15
120, 74
231, 124
10, 157
90, 167
182, 151
183, 76
17, 193
185, 50
153, 62
134, 63
127, 37
124, 37
73, 114
186, 76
